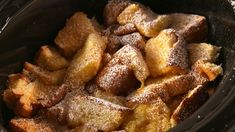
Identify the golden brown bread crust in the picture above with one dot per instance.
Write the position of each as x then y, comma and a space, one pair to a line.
165, 89
49, 58
166, 54
149, 117
78, 109
113, 9
192, 27
194, 99
147, 22
86, 62
202, 51
117, 78
73, 36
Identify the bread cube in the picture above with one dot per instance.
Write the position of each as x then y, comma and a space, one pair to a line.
202, 51
78, 109
149, 117
166, 54
192, 27
112, 9
47, 77
147, 22
74, 35
165, 88
132, 57
86, 62
125, 29
194, 100
50, 59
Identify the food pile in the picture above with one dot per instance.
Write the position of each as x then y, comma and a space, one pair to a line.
139, 71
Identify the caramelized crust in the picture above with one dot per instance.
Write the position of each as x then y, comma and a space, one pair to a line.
73, 36
49, 58
202, 51
78, 109
166, 54
192, 27
149, 117
86, 62
147, 22
189, 104
113, 9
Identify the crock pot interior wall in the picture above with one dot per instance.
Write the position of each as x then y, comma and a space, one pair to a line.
38, 23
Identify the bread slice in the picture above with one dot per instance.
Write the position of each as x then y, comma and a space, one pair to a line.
166, 54
194, 100
47, 77
165, 88
192, 27
86, 62
112, 9
73, 36
202, 51
149, 117
77, 109
49, 58
147, 22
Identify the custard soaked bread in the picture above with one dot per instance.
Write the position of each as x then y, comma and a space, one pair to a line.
167, 54
139, 71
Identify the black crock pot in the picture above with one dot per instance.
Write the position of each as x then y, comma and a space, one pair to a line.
37, 22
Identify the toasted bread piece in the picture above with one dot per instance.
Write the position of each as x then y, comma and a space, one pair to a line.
150, 117
47, 77
192, 27
86, 62
194, 99
78, 109
110, 97
202, 51
175, 102
31, 125
147, 22
117, 78
50, 59
125, 29
73, 36
114, 44
209, 70
166, 54
26, 96
113, 9
132, 57
165, 88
